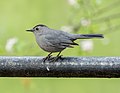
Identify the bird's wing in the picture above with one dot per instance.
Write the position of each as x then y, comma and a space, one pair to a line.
60, 41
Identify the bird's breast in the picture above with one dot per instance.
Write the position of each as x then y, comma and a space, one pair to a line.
45, 45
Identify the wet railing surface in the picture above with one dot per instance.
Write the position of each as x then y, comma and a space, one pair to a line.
83, 67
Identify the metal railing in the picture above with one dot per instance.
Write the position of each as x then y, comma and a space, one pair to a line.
29, 66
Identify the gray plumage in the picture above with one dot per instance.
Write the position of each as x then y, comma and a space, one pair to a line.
52, 40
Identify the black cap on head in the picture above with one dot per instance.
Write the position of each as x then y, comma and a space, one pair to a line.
40, 25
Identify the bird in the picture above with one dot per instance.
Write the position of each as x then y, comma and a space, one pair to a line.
51, 40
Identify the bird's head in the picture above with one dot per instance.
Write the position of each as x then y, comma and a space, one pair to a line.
37, 28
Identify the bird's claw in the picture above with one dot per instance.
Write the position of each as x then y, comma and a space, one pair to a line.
47, 58
52, 59
56, 58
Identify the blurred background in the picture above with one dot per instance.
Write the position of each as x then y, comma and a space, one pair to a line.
74, 16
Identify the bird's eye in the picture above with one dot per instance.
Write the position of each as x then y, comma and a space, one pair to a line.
36, 28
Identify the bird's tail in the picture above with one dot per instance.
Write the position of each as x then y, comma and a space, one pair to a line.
88, 36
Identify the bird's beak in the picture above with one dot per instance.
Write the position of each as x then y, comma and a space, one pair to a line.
30, 30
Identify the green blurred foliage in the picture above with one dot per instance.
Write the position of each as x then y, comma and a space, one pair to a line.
18, 15
49, 85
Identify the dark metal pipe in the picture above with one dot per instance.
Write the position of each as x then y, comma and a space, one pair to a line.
102, 67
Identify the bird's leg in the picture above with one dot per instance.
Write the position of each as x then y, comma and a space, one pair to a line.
57, 57
48, 57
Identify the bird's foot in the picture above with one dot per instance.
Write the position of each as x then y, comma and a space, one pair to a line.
47, 58
53, 59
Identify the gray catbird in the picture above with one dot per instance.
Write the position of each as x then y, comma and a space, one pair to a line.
51, 40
